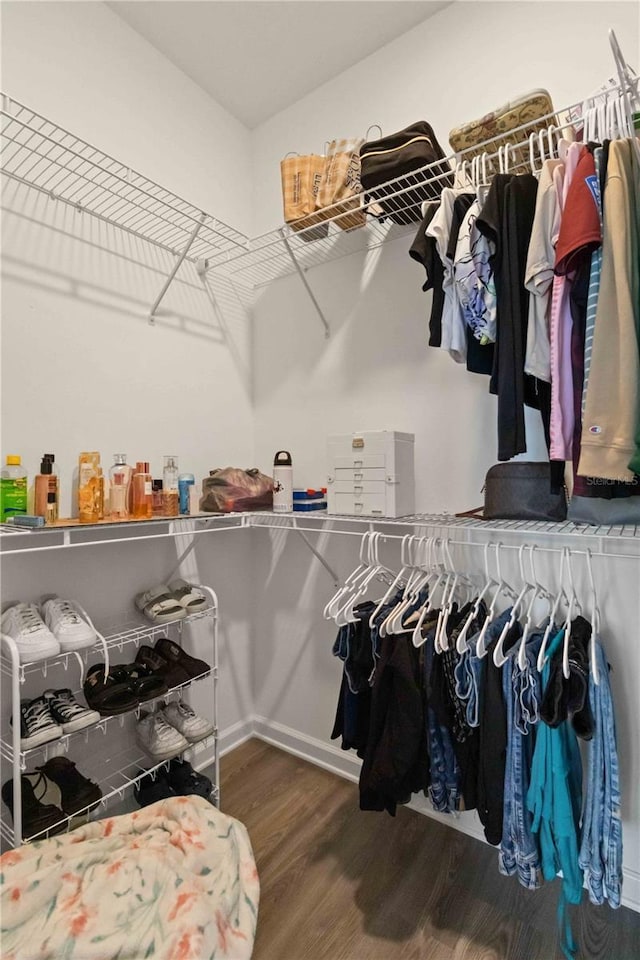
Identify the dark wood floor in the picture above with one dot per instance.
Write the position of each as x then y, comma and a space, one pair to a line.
338, 884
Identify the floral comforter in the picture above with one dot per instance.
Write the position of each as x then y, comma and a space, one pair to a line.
173, 881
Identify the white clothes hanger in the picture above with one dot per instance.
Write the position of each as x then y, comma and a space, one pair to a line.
539, 592
574, 606
395, 583
560, 596
416, 574
461, 642
533, 140
346, 614
503, 587
595, 620
499, 657
628, 89
332, 606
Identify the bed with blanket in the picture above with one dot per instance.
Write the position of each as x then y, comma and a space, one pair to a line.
173, 881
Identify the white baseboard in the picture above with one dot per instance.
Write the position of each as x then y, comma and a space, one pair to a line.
236, 734
346, 764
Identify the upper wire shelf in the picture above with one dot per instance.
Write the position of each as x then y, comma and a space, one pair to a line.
284, 250
50, 159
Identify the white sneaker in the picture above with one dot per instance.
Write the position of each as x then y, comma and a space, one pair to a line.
158, 738
183, 718
69, 628
23, 623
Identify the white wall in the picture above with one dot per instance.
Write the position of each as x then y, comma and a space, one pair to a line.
82, 369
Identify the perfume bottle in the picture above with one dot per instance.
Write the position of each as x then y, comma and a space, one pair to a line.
142, 491
90, 490
45, 482
120, 487
170, 489
158, 501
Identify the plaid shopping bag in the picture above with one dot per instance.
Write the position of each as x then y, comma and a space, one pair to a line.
301, 179
340, 187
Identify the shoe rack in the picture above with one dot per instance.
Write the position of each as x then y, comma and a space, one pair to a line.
115, 771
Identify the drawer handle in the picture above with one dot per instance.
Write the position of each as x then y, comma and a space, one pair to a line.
358, 489
357, 476
358, 463
358, 506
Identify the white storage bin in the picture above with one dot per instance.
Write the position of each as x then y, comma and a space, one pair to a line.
371, 474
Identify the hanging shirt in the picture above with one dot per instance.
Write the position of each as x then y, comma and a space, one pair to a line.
424, 250
474, 278
440, 230
594, 276
562, 419
539, 269
611, 409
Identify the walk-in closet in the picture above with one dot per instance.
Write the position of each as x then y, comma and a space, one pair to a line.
340, 660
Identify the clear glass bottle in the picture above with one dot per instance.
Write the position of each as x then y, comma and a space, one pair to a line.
170, 490
120, 475
142, 491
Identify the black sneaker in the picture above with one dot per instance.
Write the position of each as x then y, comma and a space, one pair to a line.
37, 816
151, 789
77, 791
186, 781
37, 725
67, 712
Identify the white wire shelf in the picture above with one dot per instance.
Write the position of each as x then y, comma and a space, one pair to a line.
115, 775
442, 521
42, 155
15, 540
389, 211
60, 747
136, 633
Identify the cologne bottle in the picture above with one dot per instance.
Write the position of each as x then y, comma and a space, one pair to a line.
170, 489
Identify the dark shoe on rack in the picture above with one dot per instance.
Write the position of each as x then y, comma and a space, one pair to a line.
171, 673
110, 696
77, 791
151, 789
143, 682
174, 653
185, 781
38, 815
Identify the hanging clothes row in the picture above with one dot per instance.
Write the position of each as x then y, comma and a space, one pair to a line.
535, 274
482, 710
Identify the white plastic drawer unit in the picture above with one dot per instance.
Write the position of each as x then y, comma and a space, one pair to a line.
371, 474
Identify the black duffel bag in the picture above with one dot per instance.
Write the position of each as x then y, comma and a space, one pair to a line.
403, 154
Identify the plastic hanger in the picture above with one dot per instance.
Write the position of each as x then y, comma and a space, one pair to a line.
574, 606
533, 140
404, 569
561, 595
415, 574
538, 592
461, 642
347, 613
413, 595
498, 654
503, 587
331, 607
595, 620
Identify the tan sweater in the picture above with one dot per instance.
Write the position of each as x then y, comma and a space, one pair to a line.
608, 426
